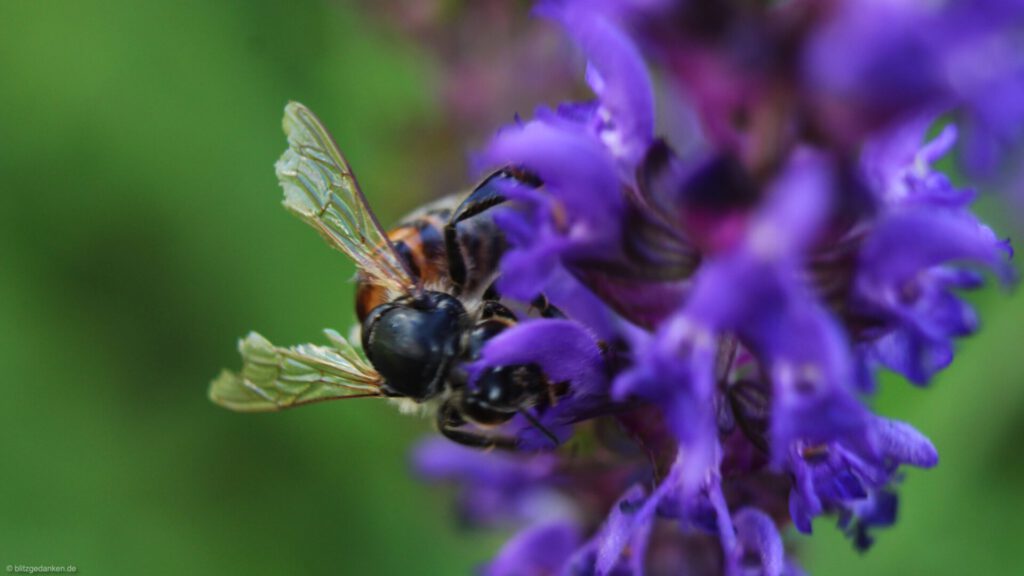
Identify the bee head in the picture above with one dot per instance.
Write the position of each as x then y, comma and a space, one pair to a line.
412, 340
500, 392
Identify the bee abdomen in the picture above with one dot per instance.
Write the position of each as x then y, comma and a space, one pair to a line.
419, 242
482, 244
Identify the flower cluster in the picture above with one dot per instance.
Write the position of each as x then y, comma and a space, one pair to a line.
731, 302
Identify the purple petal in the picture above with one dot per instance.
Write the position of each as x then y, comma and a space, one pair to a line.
526, 269
723, 520
812, 375
493, 487
627, 515
801, 513
441, 459
897, 67
675, 368
563, 349
907, 242
915, 357
899, 166
576, 171
798, 202
539, 549
618, 76
889, 152
536, 245
632, 518
904, 444
577, 215
577, 301
732, 287
760, 551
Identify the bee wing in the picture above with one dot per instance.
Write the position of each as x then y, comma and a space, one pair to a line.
274, 378
320, 188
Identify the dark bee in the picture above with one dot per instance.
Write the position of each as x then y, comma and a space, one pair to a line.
425, 300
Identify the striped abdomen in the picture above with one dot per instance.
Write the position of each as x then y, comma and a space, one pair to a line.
419, 241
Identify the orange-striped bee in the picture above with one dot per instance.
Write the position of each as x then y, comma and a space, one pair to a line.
426, 303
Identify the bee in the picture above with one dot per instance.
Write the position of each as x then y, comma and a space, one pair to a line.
425, 300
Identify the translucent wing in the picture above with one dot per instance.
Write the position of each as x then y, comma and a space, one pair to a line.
274, 378
319, 187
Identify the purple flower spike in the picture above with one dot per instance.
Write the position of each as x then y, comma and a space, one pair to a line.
725, 310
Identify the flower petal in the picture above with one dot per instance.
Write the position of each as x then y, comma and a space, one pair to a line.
539, 549
563, 349
618, 76
760, 551
904, 444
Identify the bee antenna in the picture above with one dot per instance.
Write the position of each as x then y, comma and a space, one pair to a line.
536, 424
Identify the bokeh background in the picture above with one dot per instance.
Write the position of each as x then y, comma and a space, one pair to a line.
141, 235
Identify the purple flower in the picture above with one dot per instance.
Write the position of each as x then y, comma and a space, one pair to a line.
499, 487
728, 308
540, 549
913, 255
852, 477
963, 56
759, 549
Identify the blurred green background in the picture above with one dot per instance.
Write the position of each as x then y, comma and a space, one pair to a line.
141, 235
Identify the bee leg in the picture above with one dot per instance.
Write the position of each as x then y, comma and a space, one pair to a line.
449, 421
480, 200
484, 197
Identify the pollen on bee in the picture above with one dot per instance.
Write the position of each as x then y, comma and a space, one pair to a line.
410, 407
